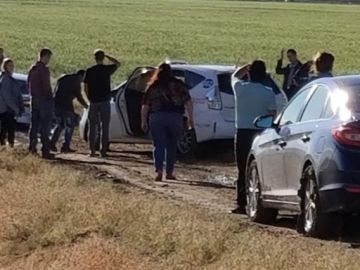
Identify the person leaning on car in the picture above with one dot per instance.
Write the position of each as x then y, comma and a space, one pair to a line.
68, 88
11, 102
252, 99
42, 103
98, 89
295, 73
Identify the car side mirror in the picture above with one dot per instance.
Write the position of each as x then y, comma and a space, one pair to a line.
266, 121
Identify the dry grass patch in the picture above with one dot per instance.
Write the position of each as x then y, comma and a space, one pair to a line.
57, 217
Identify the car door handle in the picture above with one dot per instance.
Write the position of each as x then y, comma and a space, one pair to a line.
305, 138
282, 144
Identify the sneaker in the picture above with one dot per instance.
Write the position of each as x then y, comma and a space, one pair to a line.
170, 177
67, 150
48, 156
239, 210
159, 177
93, 155
104, 155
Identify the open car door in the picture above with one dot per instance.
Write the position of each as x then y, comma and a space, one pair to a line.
129, 101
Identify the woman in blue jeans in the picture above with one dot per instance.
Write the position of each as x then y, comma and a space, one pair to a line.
164, 106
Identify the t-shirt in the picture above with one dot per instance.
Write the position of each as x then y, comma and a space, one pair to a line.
99, 82
68, 88
251, 101
167, 98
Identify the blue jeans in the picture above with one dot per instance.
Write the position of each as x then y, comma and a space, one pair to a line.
166, 129
64, 120
99, 115
42, 111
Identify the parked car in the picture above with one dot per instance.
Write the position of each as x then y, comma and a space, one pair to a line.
212, 94
307, 160
25, 118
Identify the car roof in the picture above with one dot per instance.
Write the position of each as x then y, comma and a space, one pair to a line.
20, 77
340, 81
212, 68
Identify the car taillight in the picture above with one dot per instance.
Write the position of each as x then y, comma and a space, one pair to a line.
348, 134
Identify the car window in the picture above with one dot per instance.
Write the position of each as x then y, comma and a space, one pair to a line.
192, 79
23, 88
179, 74
293, 110
224, 81
316, 104
139, 82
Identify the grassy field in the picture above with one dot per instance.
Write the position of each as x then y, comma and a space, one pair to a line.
144, 32
73, 219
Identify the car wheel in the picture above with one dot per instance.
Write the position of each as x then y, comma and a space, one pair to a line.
312, 222
254, 208
187, 144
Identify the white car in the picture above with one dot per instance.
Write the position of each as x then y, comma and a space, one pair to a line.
212, 95
24, 118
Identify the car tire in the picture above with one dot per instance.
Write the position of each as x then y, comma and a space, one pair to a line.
187, 144
254, 208
311, 221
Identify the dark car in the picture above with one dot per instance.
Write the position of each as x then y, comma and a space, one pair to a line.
308, 159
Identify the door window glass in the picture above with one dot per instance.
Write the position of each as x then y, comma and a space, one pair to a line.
192, 79
316, 104
293, 110
224, 81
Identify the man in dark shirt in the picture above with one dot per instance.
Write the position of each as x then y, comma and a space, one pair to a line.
42, 103
98, 89
295, 73
68, 88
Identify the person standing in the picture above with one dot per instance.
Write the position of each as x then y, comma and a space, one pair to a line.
164, 104
252, 99
98, 89
324, 63
295, 73
11, 103
68, 88
42, 103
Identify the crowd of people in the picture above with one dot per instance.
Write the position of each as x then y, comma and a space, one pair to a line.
164, 105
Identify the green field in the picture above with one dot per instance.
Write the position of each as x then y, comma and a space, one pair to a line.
144, 32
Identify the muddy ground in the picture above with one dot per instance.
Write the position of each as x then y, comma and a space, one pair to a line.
206, 181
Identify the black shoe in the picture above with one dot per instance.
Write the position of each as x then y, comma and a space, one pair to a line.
48, 156
104, 155
238, 210
53, 148
93, 155
67, 150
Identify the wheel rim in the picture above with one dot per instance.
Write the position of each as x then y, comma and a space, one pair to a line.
185, 143
310, 206
253, 192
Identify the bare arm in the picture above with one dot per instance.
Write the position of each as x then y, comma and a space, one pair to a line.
279, 67
81, 99
190, 112
144, 117
113, 60
241, 72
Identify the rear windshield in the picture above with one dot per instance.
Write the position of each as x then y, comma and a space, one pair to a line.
354, 97
224, 81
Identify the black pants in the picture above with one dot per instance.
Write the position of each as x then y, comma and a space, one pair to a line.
8, 126
243, 142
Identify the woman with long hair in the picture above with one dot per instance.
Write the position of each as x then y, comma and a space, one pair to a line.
164, 106
11, 102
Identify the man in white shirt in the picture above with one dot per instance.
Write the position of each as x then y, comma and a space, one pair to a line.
252, 99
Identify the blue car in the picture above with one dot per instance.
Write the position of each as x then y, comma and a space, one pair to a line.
307, 160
